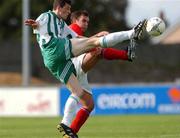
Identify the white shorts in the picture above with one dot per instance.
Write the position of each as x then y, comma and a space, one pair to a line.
81, 76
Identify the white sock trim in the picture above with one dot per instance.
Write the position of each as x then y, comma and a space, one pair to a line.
103, 42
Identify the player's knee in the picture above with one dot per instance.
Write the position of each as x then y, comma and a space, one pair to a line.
91, 106
87, 101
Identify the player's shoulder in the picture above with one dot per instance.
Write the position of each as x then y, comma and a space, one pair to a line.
43, 15
43, 18
73, 25
77, 29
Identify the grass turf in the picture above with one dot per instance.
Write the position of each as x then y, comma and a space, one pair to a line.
124, 126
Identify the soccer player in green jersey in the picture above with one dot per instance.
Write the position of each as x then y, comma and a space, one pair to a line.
57, 51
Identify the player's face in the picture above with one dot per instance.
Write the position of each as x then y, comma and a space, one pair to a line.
83, 22
63, 12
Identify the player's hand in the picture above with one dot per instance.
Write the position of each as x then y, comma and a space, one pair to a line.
103, 33
32, 23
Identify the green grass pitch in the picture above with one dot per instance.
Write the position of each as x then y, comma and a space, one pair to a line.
123, 126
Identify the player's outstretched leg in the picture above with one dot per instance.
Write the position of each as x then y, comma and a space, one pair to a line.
66, 131
136, 33
80, 46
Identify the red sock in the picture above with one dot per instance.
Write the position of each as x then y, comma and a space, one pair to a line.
111, 54
79, 120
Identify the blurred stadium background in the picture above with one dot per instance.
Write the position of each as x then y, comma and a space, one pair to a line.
133, 100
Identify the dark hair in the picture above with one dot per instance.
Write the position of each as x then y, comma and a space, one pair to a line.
61, 3
76, 14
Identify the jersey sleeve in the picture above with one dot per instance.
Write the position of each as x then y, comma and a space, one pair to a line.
42, 24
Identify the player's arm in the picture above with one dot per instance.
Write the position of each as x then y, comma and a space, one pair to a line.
92, 57
103, 33
42, 20
32, 23
39, 25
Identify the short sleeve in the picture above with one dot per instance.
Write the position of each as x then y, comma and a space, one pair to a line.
42, 22
42, 19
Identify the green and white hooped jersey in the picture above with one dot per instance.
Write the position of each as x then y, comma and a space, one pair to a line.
51, 26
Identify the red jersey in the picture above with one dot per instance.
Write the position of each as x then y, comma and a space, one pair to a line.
76, 29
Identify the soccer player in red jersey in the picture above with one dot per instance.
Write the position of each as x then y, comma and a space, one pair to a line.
85, 62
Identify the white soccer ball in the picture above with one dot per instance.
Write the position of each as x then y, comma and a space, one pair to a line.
155, 26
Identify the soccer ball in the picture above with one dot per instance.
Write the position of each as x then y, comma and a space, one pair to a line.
155, 26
